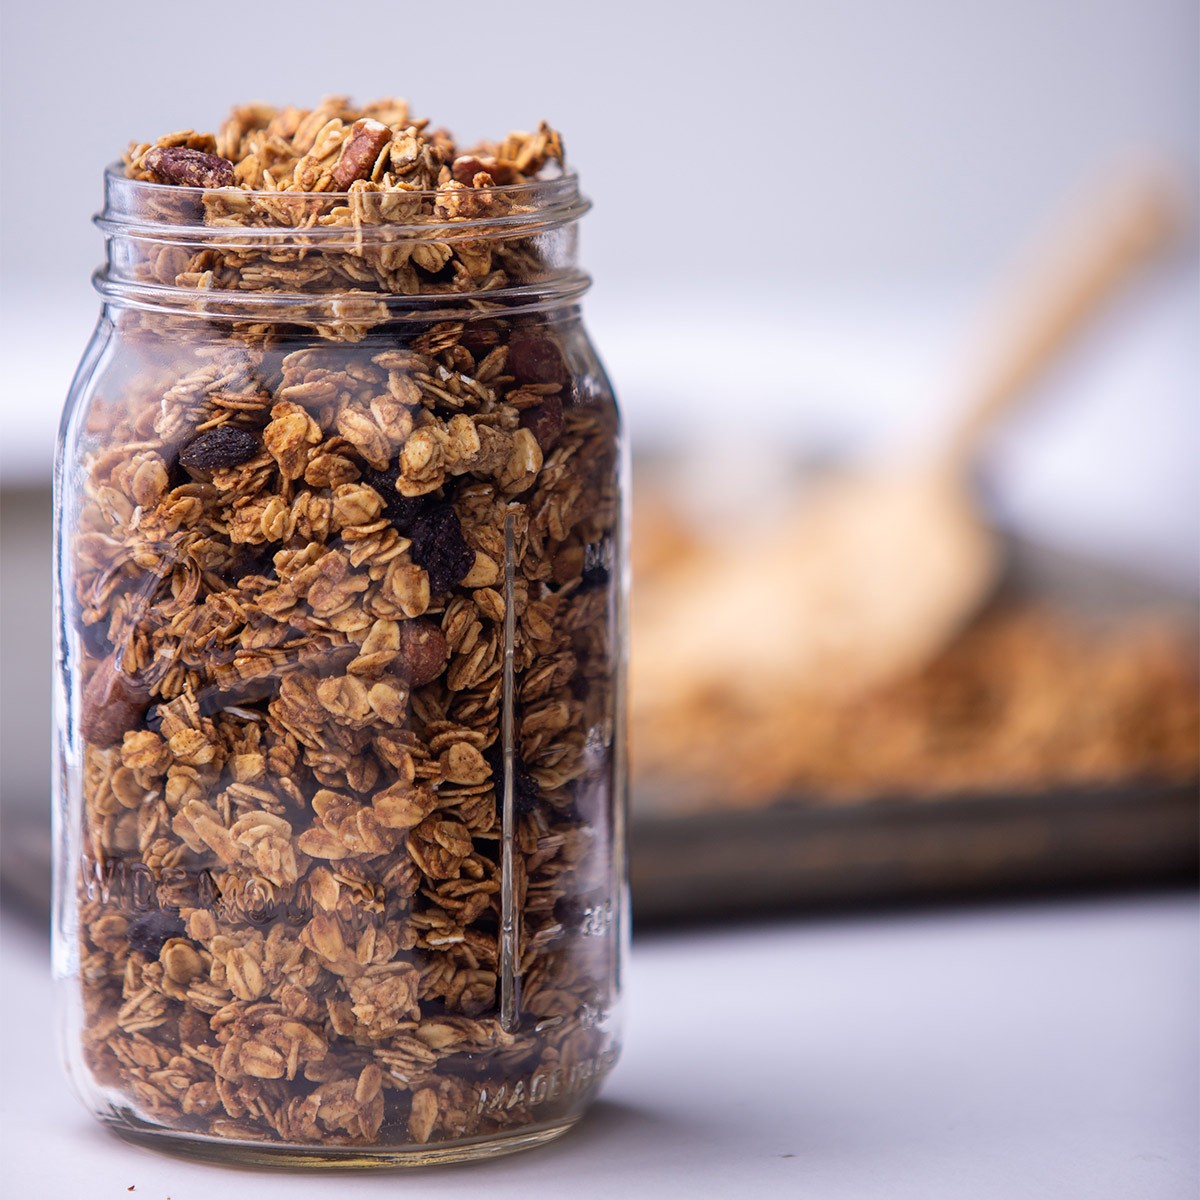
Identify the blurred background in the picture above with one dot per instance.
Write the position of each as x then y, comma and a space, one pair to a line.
801, 213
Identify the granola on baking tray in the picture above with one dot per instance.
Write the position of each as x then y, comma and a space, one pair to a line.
318, 556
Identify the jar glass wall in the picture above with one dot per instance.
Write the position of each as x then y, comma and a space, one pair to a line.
340, 641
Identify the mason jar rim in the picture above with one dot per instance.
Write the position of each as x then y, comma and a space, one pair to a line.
131, 208
146, 218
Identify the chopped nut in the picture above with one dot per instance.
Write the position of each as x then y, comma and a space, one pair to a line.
360, 150
188, 168
545, 422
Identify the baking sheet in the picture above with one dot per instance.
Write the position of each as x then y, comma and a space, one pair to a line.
809, 851
797, 855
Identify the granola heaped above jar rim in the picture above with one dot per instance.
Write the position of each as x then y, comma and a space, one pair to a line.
295, 207
337, 148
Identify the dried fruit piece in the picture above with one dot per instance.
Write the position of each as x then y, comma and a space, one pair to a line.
359, 152
402, 511
527, 796
151, 933
188, 168
225, 446
534, 358
439, 547
594, 578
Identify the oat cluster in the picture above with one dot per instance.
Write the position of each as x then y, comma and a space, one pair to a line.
306, 570
337, 147
348, 185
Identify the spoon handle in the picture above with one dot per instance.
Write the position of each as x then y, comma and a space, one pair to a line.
1078, 264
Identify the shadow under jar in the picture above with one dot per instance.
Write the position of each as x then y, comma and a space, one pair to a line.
340, 643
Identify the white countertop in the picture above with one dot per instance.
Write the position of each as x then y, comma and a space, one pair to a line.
1037, 1050
1009, 1053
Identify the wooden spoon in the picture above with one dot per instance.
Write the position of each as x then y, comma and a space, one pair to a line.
874, 573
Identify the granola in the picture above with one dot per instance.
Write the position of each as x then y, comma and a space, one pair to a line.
340, 601
1029, 698
373, 204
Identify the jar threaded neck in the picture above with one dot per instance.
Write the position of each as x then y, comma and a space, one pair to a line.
340, 261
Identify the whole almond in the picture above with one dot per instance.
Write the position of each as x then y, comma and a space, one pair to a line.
423, 651
113, 703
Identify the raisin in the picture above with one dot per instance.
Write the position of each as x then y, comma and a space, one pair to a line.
150, 933
439, 546
251, 563
527, 794
594, 578
569, 912
225, 446
402, 511
480, 337
533, 358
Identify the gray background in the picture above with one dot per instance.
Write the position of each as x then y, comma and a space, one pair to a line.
851, 140
798, 207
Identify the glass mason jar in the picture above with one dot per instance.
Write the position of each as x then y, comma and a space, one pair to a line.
340, 637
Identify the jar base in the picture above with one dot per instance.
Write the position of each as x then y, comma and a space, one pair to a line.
196, 1147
